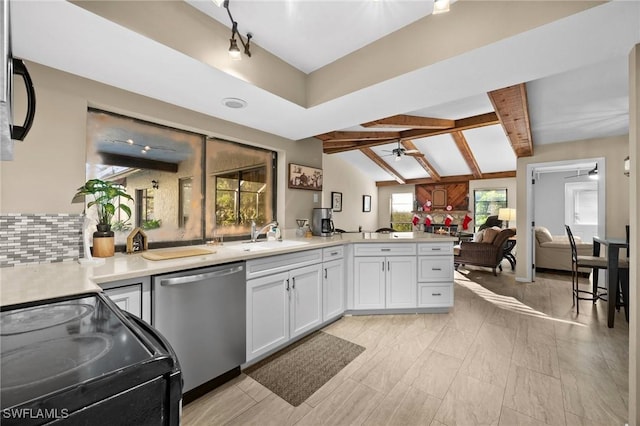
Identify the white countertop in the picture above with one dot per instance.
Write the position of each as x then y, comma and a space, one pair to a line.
31, 282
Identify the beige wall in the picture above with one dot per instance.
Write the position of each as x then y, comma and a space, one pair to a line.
50, 164
384, 202
634, 182
340, 176
614, 150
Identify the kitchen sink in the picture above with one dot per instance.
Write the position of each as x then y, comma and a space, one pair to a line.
266, 245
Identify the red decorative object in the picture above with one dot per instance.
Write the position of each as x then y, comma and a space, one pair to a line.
465, 221
415, 220
449, 208
427, 220
448, 220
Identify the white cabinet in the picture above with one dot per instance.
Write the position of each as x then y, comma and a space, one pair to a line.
131, 295
401, 282
282, 306
435, 275
332, 289
369, 282
387, 281
305, 296
267, 313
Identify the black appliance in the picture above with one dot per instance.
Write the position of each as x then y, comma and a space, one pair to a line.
81, 360
13, 69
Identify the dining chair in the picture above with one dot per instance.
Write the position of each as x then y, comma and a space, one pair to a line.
595, 263
622, 295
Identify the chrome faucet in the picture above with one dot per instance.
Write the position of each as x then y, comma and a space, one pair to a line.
255, 233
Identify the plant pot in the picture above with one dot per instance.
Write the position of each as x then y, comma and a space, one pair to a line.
103, 241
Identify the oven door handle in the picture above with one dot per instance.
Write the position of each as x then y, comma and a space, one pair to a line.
201, 277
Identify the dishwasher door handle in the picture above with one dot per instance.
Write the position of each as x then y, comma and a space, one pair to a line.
200, 277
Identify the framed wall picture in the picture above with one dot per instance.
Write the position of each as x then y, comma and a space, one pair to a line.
366, 203
336, 201
305, 177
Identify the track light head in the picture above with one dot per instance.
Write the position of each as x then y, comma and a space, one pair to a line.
234, 52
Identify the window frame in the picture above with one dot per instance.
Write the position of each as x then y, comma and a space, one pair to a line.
402, 226
475, 205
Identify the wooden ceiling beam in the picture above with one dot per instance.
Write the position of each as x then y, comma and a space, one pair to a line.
511, 107
383, 165
481, 120
422, 160
411, 122
465, 150
341, 136
449, 179
462, 124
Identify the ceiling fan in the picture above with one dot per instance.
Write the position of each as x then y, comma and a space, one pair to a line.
400, 151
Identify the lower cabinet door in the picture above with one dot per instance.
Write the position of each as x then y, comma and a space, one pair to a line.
128, 298
305, 299
267, 313
401, 282
332, 289
436, 295
369, 282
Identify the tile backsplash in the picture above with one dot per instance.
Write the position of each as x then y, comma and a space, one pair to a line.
39, 238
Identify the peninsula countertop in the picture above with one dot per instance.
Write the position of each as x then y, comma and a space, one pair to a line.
32, 282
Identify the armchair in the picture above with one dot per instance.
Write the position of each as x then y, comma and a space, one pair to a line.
488, 254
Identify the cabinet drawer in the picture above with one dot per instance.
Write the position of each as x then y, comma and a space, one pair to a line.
283, 262
435, 296
398, 249
435, 268
426, 249
330, 253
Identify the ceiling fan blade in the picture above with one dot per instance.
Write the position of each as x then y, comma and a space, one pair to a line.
414, 154
412, 151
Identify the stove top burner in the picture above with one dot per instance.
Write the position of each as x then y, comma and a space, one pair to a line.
51, 359
41, 317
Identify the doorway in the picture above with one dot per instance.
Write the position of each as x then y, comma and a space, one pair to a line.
564, 192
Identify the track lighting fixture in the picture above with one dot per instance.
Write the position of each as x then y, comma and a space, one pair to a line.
440, 6
234, 51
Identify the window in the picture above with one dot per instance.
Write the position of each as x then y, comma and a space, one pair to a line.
487, 202
241, 187
145, 208
185, 186
401, 211
581, 203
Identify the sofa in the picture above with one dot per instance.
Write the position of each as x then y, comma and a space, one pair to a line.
554, 251
486, 250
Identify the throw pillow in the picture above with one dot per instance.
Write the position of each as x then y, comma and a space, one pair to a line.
490, 234
477, 238
543, 235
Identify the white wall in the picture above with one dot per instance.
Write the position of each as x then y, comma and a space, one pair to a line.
340, 176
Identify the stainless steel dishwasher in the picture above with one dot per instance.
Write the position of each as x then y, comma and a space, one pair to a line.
202, 314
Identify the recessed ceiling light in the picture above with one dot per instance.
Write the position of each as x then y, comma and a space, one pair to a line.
234, 103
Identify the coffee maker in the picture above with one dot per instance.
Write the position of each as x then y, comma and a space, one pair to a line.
321, 223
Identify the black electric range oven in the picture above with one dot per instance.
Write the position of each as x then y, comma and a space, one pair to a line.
82, 361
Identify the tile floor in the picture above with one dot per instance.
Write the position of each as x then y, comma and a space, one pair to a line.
507, 354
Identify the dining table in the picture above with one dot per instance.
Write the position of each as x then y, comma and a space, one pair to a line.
613, 246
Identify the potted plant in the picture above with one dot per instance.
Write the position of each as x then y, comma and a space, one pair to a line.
105, 196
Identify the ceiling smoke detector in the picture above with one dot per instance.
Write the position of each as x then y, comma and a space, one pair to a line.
234, 103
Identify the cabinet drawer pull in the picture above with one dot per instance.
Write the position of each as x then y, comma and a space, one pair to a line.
325, 273
436, 248
293, 280
385, 249
334, 253
436, 269
287, 285
436, 294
